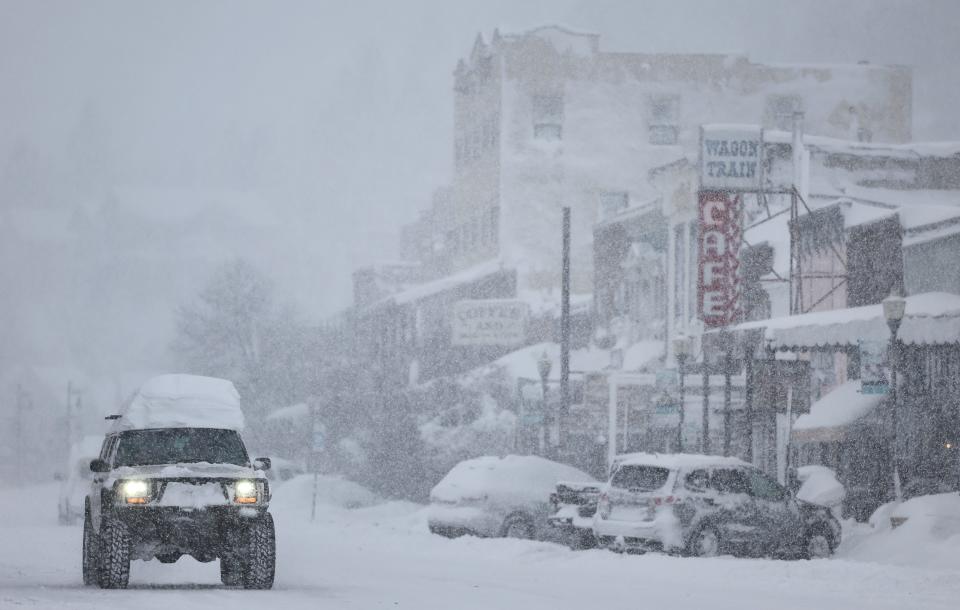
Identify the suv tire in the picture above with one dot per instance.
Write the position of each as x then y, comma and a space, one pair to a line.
231, 571
260, 566
705, 542
817, 545
114, 572
91, 557
518, 525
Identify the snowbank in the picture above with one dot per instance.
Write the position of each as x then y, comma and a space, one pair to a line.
332, 491
929, 536
183, 401
515, 479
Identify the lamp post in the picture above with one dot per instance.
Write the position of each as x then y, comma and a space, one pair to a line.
894, 306
681, 350
543, 367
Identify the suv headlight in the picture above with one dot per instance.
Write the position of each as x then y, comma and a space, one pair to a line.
135, 491
246, 492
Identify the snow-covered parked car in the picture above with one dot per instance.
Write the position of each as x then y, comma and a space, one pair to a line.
75, 485
498, 497
174, 478
708, 505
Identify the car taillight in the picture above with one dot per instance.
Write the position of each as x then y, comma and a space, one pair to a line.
667, 500
603, 506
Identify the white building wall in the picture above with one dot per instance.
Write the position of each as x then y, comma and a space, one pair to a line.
605, 130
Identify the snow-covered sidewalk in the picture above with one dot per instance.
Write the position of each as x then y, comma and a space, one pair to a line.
382, 556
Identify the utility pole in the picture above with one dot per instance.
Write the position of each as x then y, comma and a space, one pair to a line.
705, 441
564, 331
18, 431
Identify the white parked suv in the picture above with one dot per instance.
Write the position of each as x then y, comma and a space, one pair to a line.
708, 505
498, 497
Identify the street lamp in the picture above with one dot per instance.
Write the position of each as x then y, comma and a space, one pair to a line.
894, 306
681, 350
544, 364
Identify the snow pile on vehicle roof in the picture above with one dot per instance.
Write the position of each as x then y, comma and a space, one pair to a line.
928, 537
184, 401
520, 479
820, 486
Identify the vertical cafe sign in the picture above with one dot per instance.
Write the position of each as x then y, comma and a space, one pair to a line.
730, 163
718, 277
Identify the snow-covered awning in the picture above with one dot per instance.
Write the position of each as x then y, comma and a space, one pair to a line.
449, 282
931, 318
830, 417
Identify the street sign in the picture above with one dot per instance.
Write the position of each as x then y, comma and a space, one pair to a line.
718, 258
730, 157
874, 378
489, 322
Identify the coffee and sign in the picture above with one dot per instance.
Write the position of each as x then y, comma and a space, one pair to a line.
489, 322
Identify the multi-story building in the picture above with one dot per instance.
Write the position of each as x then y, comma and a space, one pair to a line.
546, 119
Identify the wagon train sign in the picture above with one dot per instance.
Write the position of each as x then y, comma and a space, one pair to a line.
730, 158
489, 322
718, 273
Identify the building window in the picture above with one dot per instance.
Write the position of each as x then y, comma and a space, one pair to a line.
664, 124
547, 117
780, 109
612, 202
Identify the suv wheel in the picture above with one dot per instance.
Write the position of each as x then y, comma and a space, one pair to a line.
231, 571
817, 546
114, 572
260, 566
90, 555
705, 543
518, 526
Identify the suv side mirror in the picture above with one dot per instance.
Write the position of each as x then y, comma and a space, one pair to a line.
262, 463
99, 465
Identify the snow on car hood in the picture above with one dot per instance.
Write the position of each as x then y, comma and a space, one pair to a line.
514, 479
199, 470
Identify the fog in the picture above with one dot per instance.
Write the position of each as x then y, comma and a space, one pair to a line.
297, 135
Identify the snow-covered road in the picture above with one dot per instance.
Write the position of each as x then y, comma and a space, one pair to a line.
383, 557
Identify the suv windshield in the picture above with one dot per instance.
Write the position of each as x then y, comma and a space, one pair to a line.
180, 445
640, 478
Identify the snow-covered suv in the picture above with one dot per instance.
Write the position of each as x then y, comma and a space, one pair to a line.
174, 478
707, 505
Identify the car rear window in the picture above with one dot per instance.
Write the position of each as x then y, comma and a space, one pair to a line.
640, 478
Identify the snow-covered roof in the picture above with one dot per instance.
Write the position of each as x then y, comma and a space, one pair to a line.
675, 461
840, 407
522, 363
880, 149
183, 401
508, 479
930, 318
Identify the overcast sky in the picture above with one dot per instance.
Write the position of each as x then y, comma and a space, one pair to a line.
341, 112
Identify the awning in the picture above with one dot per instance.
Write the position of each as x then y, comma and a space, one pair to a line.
931, 318
836, 413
